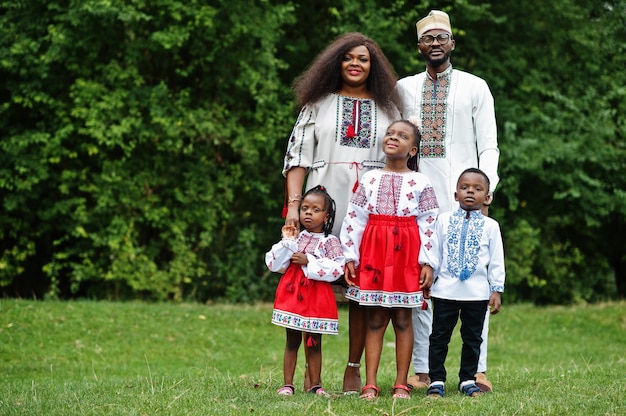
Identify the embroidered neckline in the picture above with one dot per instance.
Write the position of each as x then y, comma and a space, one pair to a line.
434, 109
464, 237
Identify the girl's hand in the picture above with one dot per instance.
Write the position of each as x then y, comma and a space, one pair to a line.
426, 278
299, 258
349, 274
289, 231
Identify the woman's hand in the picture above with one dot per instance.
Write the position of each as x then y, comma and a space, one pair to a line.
293, 214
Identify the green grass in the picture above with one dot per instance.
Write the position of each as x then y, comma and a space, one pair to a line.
102, 358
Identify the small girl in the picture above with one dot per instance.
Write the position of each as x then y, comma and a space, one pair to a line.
304, 300
386, 237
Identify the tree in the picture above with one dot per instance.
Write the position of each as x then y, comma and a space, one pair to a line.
141, 144
135, 145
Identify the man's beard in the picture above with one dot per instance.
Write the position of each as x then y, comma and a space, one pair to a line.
435, 63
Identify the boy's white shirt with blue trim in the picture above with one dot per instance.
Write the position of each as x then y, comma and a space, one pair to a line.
471, 256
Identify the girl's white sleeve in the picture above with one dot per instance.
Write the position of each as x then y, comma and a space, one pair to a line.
354, 225
327, 263
279, 256
426, 221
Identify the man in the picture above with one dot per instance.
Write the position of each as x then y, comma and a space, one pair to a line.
456, 113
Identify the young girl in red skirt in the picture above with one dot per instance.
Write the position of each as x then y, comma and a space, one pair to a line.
305, 302
387, 241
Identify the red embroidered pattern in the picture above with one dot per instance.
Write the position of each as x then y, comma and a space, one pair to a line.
389, 194
428, 199
356, 122
358, 198
307, 244
332, 247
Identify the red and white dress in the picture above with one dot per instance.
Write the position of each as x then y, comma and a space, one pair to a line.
304, 298
388, 233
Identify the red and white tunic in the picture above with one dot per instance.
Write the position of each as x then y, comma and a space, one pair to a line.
388, 232
304, 297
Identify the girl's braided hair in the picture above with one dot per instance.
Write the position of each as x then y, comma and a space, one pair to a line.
329, 206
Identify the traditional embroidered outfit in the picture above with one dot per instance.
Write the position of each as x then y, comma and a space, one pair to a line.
304, 299
337, 140
471, 267
458, 128
388, 233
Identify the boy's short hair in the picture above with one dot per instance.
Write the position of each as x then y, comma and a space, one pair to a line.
474, 170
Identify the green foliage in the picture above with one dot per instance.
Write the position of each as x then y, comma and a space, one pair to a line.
141, 143
562, 147
143, 159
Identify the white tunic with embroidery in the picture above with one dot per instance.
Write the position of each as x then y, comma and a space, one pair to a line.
337, 140
458, 128
326, 259
471, 262
304, 299
387, 193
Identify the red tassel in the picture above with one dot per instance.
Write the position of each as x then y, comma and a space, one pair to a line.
310, 342
424, 305
350, 134
285, 204
355, 165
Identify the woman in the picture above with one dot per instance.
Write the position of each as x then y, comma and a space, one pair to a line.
347, 98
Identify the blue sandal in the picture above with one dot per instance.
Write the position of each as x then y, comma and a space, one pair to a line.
436, 390
471, 390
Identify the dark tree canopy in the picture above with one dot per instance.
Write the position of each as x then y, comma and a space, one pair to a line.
141, 143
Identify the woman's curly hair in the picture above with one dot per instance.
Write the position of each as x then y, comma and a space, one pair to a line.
323, 76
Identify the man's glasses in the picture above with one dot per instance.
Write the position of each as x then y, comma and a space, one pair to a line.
442, 38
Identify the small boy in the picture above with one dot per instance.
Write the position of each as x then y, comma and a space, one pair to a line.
469, 279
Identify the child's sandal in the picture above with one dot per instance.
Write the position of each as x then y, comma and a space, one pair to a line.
405, 396
369, 395
317, 390
436, 390
471, 390
287, 390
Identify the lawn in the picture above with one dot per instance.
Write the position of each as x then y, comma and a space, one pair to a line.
106, 358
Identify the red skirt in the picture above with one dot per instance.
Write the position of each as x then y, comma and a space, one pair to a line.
304, 304
388, 272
